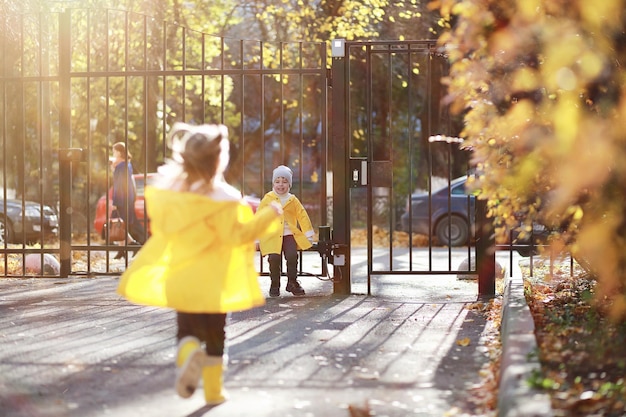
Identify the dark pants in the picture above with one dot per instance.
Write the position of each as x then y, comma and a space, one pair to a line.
208, 328
136, 232
290, 250
133, 226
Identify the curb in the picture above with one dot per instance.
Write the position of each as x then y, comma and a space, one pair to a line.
519, 356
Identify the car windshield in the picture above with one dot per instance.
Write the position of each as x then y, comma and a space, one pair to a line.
458, 189
457, 186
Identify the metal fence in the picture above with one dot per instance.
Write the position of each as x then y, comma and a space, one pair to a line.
75, 82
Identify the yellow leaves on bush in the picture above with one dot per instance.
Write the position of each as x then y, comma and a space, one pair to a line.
566, 115
605, 13
525, 79
519, 117
529, 10
591, 64
543, 99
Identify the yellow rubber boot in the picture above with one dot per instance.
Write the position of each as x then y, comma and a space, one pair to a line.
212, 379
190, 359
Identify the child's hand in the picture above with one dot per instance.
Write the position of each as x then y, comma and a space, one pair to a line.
277, 207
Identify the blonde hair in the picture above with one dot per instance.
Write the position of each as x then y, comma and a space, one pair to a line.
196, 152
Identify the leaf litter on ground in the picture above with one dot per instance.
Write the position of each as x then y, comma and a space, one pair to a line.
581, 350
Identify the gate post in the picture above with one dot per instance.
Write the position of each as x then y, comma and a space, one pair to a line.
65, 170
339, 151
485, 251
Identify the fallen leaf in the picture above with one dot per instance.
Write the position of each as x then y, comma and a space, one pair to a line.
463, 342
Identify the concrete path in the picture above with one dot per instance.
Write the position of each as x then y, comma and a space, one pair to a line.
72, 347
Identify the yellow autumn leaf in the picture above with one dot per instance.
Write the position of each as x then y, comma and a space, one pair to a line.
463, 342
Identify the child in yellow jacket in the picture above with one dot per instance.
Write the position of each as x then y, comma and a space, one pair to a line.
199, 259
295, 234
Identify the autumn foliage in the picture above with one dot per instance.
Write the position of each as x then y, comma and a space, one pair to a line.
540, 86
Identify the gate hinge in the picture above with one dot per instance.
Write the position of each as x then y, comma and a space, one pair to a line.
329, 76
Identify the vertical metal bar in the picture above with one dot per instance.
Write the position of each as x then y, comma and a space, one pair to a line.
370, 147
340, 148
5, 258
410, 140
283, 123
107, 117
263, 128
324, 85
471, 221
21, 133
485, 251
202, 81
40, 128
390, 139
242, 131
300, 121
127, 202
429, 116
222, 80
164, 81
65, 174
146, 123
184, 77
89, 155
3, 134
449, 217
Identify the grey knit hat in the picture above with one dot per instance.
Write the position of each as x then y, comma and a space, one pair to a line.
283, 171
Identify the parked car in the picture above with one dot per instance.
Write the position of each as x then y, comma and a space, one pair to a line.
449, 221
24, 222
100, 218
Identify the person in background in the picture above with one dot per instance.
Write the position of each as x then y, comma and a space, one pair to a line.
124, 195
295, 234
199, 259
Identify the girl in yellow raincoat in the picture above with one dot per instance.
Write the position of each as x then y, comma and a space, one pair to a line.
295, 233
200, 257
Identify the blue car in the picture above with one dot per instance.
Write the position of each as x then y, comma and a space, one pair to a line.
446, 217
452, 225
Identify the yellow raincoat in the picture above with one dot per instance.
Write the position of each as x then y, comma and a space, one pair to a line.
200, 257
297, 219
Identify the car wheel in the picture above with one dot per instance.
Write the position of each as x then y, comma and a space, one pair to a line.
453, 231
6, 233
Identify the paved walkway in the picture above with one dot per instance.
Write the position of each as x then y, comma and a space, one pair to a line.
72, 347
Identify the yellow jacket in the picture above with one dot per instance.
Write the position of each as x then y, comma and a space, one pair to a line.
200, 257
296, 217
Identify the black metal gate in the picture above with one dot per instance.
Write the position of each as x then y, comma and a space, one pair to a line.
75, 82
392, 133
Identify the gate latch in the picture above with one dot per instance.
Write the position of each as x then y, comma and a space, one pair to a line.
358, 172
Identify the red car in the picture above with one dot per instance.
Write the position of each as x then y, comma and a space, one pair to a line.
101, 218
